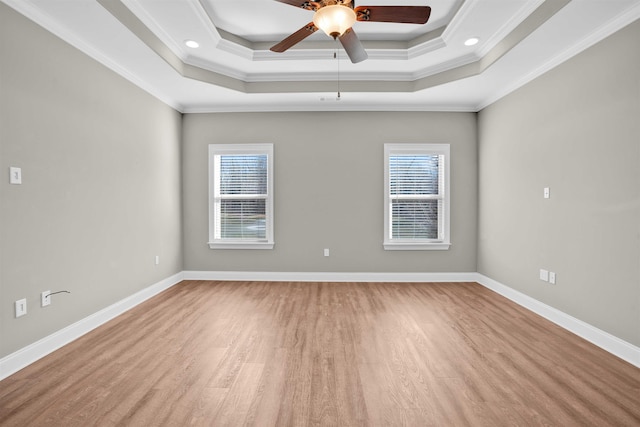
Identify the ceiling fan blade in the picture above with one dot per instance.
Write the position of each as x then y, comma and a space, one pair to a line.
353, 46
295, 38
299, 3
400, 14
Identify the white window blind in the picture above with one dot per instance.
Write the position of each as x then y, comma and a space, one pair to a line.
416, 196
416, 202
241, 197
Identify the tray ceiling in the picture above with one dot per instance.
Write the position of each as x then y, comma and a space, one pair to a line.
410, 67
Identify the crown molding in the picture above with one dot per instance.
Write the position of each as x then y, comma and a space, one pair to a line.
614, 25
324, 103
509, 26
216, 68
227, 77
148, 20
319, 82
51, 25
258, 83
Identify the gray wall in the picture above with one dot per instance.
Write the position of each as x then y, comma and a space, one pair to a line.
329, 186
101, 184
576, 130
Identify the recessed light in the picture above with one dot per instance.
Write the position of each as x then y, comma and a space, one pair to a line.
472, 41
192, 44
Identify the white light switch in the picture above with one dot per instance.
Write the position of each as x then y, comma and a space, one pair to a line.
547, 192
15, 175
21, 307
552, 277
544, 275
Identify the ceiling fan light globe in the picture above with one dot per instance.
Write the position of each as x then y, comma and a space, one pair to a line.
334, 20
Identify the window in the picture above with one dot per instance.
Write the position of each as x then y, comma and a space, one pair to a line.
416, 210
241, 196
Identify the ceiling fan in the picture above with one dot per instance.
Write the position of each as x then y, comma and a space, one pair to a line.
336, 18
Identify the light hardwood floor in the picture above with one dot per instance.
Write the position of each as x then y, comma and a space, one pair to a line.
325, 354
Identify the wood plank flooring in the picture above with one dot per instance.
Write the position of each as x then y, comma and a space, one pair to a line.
325, 354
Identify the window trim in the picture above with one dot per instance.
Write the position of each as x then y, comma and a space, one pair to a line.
444, 223
241, 149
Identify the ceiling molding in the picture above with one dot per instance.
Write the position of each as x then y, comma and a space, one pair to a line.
235, 49
305, 50
148, 21
447, 66
437, 41
468, 82
523, 15
329, 44
326, 104
463, 11
127, 18
608, 29
534, 20
47, 22
320, 50
319, 82
215, 68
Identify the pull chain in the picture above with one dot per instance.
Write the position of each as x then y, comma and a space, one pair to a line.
335, 56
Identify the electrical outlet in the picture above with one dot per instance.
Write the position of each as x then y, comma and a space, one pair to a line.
45, 298
21, 307
326, 252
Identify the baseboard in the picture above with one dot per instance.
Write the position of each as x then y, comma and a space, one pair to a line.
301, 276
31, 353
602, 339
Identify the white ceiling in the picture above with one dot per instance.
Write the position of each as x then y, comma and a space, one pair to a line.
410, 67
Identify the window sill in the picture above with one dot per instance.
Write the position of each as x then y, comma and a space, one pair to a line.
442, 246
241, 245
